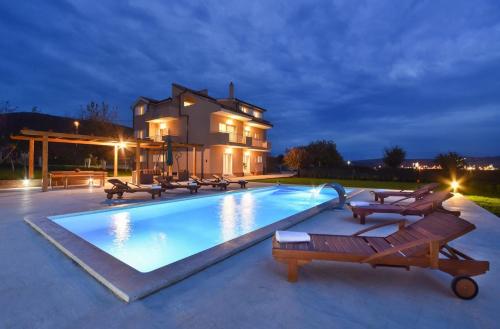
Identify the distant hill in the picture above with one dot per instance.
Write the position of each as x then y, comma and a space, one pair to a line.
12, 123
478, 161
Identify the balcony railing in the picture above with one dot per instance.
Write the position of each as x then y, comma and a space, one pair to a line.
161, 138
231, 138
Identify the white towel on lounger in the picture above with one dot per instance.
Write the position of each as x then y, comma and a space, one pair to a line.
289, 236
359, 203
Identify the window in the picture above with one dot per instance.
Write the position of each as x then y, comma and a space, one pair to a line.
188, 101
222, 127
256, 136
139, 110
259, 159
139, 134
244, 109
257, 114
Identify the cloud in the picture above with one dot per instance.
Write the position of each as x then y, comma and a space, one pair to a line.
366, 74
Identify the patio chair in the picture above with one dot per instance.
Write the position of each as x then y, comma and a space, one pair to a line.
417, 194
167, 184
419, 207
120, 187
419, 244
243, 183
207, 182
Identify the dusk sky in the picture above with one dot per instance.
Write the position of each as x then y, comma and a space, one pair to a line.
424, 75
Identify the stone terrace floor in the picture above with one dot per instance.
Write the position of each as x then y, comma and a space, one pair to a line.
42, 288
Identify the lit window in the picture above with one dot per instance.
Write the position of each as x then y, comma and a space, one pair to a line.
257, 114
222, 127
256, 136
188, 101
139, 110
244, 109
259, 159
139, 134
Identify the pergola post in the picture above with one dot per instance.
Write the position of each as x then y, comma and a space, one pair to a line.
115, 162
31, 159
45, 163
138, 162
194, 161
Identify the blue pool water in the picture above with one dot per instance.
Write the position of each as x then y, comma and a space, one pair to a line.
151, 236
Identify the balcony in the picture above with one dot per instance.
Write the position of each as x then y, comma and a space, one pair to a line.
221, 138
260, 143
161, 138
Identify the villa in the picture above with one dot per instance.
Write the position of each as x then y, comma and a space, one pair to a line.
233, 132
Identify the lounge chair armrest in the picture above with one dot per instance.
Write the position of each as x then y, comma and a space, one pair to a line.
400, 222
406, 198
397, 249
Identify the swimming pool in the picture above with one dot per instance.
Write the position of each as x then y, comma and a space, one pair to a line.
151, 236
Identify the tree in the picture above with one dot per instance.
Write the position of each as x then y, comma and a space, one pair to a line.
323, 154
295, 158
450, 161
394, 157
6, 107
98, 113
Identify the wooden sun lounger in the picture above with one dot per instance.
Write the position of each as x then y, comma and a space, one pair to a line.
214, 183
419, 244
417, 194
120, 187
169, 185
419, 207
243, 183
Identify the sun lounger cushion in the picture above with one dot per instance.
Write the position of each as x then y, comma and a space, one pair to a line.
290, 237
359, 203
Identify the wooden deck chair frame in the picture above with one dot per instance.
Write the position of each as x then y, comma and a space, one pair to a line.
120, 187
422, 248
416, 194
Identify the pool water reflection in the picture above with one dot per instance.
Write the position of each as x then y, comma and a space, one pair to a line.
151, 236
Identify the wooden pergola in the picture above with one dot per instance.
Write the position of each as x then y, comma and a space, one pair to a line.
46, 137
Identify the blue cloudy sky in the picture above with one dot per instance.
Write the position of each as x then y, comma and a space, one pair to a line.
367, 74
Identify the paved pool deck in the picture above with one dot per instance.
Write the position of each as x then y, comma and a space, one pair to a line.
42, 288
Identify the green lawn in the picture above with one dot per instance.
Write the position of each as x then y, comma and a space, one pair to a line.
345, 182
487, 202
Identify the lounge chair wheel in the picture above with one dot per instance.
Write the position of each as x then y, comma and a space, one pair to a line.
109, 196
464, 287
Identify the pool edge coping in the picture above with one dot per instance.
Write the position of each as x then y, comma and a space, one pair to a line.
127, 283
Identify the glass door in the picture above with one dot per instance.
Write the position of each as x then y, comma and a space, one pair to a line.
246, 163
231, 130
227, 164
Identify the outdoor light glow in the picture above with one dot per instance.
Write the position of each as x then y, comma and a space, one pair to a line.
228, 150
163, 125
76, 123
247, 128
122, 145
454, 185
229, 121
26, 182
